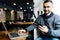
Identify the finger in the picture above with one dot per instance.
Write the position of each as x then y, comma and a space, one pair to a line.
19, 31
40, 27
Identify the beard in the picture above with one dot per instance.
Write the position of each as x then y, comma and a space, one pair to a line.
46, 12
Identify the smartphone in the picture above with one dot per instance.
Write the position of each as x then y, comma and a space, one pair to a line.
40, 24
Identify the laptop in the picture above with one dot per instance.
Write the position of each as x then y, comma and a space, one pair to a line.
13, 35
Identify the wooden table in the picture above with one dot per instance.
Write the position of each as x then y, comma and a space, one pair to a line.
3, 36
23, 23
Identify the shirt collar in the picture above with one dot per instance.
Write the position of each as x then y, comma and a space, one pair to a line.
51, 14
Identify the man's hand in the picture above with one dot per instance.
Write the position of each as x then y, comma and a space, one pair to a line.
43, 28
21, 31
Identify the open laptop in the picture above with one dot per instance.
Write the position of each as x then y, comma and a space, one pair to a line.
12, 35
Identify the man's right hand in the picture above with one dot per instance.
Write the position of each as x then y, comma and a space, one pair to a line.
21, 31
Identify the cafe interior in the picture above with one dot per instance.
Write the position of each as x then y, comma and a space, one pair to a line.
19, 14
15, 15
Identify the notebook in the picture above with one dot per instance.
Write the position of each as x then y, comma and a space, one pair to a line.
13, 35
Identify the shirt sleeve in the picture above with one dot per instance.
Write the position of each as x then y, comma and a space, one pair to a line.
33, 26
55, 32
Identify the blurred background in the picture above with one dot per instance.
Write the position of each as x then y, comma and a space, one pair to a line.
12, 11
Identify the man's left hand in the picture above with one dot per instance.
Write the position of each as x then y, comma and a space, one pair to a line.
43, 28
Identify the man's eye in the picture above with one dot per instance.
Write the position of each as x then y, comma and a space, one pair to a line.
47, 6
44, 7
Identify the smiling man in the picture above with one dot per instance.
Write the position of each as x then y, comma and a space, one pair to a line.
47, 23
47, 7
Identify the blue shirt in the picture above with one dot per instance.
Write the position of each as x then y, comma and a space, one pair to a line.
53, 25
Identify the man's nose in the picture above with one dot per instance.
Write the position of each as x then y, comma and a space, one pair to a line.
46, 8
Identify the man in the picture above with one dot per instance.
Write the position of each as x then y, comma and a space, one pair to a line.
48, 23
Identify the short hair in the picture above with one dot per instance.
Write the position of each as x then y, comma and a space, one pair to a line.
48, 1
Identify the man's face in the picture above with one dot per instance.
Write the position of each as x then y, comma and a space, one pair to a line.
47, 7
